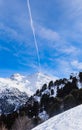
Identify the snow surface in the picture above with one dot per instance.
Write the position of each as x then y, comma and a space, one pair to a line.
43, 116
28, 84
69, 120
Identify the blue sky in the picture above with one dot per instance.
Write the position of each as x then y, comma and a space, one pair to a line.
58, 28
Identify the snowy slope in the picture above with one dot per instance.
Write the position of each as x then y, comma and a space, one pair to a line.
69, 120
28, 84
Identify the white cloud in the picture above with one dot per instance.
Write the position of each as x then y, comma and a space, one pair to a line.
10, 32
14, 15
77, 64
64, 66
47, 33
4, 48
70, 49
57, 41
59, 67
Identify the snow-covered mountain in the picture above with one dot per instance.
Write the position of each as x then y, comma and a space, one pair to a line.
11, 99
14, 91
28, 84
69, 120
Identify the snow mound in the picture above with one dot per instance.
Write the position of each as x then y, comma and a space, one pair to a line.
69, 120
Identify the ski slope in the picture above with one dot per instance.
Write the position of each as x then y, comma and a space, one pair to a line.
69, 120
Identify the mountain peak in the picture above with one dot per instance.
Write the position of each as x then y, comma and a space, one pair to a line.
28, 84
17, 76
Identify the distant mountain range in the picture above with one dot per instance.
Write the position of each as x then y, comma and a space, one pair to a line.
14, 91
28, 84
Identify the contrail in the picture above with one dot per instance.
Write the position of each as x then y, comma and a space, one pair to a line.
33, 31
